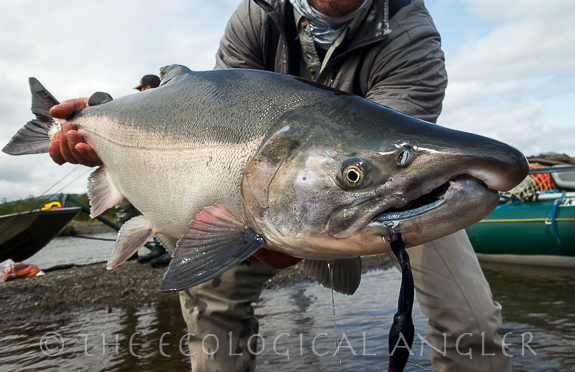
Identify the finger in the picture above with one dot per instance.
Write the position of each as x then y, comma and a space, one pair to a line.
65, 150
89, 156
54, 149
74, 138
65, 109
66, 127
81, 151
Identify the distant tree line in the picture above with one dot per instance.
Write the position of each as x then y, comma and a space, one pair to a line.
31, 202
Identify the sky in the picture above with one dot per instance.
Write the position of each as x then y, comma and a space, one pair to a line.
511, 67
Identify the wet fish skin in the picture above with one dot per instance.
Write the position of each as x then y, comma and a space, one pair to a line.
227, 162
332, 220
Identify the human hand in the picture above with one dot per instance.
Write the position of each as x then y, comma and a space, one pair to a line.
67, 145
275, 260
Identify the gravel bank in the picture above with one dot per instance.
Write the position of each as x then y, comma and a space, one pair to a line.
78, 288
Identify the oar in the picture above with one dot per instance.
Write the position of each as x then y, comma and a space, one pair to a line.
567, 168
402, 330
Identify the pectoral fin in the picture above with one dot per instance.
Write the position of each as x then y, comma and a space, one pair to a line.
215, 242
132, 236
344, 278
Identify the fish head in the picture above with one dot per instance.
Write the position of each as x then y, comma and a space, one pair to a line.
338, 177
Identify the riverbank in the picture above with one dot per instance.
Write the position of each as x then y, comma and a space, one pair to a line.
92, 287
85, 228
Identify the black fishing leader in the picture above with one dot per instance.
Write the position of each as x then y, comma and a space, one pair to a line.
402, 330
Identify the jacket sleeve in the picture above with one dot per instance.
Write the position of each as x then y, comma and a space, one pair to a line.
243, 43
407, 70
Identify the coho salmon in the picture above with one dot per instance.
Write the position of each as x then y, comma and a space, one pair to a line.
223, 163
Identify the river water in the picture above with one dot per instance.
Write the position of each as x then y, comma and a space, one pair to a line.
539, 306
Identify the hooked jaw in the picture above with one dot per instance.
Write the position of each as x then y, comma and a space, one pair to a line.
424, 206
446, 208
415, 207
468, 191
456, 199
450, 207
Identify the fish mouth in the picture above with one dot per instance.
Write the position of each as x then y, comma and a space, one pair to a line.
438, 208
441, 207
427, 202
422, 204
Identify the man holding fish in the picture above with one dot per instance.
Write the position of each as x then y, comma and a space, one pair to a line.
388, 52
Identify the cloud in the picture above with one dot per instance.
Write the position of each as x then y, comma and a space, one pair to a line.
512, 76
76, 48
507, 84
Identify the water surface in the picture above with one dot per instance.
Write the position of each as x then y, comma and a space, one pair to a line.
536, 302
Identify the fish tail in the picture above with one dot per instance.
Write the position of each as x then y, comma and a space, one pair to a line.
34, 137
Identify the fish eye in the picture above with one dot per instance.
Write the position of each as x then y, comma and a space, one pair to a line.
352, 175
355, 173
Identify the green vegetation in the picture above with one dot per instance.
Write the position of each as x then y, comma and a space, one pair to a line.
24, 205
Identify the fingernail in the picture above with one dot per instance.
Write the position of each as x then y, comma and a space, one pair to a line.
71, 139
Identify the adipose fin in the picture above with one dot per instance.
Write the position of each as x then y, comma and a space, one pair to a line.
99, 98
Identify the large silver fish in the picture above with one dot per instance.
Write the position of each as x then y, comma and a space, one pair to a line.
223, 163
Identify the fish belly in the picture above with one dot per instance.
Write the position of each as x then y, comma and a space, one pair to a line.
171, 186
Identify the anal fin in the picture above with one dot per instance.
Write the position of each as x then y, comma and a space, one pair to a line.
132, 236
345, 275
102, 192
215, 242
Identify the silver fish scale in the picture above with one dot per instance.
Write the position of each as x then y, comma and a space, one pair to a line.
183, 146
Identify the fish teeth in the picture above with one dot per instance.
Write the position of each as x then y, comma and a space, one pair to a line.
409, 213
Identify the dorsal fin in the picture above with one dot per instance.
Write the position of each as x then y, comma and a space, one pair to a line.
99, 98
167, 73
